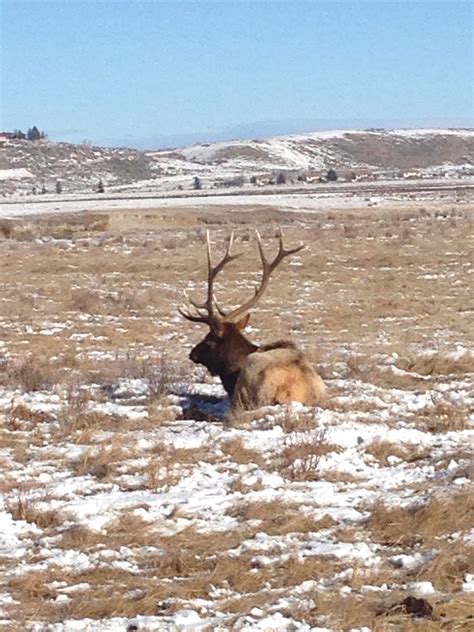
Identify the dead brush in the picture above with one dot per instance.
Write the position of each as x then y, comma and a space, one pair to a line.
447, 570
444, 416
23, 507
279, 518
263, 598
102, 462
33, 584
130, 530
31, 374
404, 526
85, 300
56, 227
382, 450
295, 571
162, 473
20, 230
355, 611
6, 228
80, 426
81, 538
436, 363
240, 418
296, 422
77, 398
240, 486
19, 507
18, 414
300, 458
167, 464
160, 379
157, 372
239, 453
349, 231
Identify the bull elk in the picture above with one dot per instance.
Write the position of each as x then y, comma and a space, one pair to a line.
253, 376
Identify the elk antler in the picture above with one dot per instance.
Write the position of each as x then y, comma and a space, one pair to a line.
267, 269
209, 316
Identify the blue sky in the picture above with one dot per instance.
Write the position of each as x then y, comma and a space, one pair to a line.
144, 73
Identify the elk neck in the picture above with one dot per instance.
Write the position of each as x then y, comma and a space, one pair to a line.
236, 349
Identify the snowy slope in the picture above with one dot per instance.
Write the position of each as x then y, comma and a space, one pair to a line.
80, 167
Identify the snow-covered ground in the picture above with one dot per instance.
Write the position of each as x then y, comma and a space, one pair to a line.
133, 499
438, 192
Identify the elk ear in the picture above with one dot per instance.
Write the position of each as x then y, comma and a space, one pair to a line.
243, 322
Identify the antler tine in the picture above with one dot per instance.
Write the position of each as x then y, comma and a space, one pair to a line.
212, 271
194, 303
267, 269
219, 309
282, 253
195, 319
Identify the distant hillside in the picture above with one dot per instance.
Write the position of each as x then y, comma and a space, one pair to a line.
25, 166
401, 149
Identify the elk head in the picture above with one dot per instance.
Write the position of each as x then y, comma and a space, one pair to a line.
225, 348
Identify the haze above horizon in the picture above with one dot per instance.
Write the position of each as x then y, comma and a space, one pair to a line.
153, 74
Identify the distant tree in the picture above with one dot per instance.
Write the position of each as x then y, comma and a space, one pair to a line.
100, 187
33, 190
301, 177
19, 134
331, 176
253, 180
43, 189
197, 184
59, 186
33, 133
237, 181
281, 178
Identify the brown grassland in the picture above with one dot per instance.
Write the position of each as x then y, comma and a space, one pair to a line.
90, 299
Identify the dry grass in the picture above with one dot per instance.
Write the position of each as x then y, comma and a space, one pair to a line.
447, 570
102, 462
437, 364
81, 426
278, 518
422, 523
445, 416
22, 507
54, 226
30, 374
382, 450
300, 459
292, 422
238, 452
101, 307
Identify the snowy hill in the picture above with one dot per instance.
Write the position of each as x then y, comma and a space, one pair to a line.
402, 149
26, 166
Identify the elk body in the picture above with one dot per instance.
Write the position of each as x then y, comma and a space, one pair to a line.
252, 375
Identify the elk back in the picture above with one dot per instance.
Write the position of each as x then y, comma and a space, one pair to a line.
277, 376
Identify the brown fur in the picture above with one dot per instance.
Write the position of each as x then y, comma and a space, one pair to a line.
277, 376
277, 373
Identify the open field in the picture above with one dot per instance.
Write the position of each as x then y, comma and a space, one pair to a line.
132, 500
438, 193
